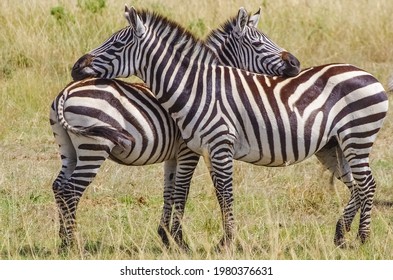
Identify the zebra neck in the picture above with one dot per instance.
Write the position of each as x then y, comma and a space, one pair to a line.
221, 51
174, 78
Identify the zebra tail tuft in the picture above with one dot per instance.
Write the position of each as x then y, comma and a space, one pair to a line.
120, 138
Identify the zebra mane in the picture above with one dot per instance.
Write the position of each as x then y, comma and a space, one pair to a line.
219, 34
161, 24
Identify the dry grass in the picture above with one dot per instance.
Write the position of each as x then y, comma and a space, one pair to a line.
281, 213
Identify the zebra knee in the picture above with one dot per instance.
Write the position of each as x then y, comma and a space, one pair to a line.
57, 187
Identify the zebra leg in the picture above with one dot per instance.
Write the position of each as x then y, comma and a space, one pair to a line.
90, 157
333, 159
220, 165
169, 187
69, 160
187, 161
366, 189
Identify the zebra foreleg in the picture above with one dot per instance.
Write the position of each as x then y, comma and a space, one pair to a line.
220, 164
169, 187
187, 162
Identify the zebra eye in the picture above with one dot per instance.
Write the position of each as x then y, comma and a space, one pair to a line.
118, 45
257, 44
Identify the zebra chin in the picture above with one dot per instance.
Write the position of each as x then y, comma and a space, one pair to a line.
84, 73
82, 68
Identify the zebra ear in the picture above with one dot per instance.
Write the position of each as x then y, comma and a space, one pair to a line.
254, 19
134, 20
241, 21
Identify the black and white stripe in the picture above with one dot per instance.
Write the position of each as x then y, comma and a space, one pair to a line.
243, 46
98, 118
333, 111
95, 119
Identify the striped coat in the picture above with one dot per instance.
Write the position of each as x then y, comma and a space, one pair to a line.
98, 118
333, 111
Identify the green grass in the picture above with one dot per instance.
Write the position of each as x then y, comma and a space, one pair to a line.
281, 213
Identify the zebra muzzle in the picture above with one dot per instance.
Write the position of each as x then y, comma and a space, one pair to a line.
81, 68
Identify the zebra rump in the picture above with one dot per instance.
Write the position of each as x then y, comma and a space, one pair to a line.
121, 138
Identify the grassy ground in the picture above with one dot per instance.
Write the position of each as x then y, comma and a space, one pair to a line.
281, 213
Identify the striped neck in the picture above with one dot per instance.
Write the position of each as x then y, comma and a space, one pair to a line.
170, 59
216, 40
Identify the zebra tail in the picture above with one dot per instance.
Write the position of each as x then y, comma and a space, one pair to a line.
120, 138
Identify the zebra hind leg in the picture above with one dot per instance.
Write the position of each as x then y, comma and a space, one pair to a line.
68, 157
333, 159
366, 189
90, 157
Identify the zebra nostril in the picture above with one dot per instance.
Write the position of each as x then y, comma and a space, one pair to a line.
292, 63
77, 71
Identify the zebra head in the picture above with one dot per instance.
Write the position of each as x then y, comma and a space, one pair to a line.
240, 44
106, 61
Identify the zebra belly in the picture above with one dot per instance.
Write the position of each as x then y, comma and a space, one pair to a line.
138, 156
276, 161
277, 153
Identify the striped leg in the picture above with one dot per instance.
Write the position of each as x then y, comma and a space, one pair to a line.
69, 161
220, 164
169, 187
333, 159
362, 194
90, 157
187, 161
366, 190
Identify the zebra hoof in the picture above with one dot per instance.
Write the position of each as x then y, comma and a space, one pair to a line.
340, 243
164, 236
183, 246
363, 236
65, 247
224, 244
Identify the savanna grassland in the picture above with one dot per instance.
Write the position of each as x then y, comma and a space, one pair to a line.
281, 213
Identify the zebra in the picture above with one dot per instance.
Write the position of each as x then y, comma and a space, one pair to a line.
224, 114
95, 119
